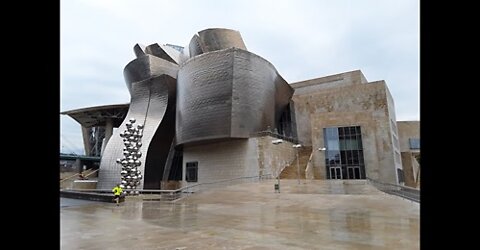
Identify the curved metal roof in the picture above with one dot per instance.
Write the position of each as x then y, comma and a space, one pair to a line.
98, 115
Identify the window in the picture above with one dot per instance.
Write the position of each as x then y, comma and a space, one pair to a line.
192, 171
401, 177
344, 154
414, 143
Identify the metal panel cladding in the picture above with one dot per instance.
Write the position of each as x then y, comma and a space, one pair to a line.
218, 39
228, 93
215, 39
204, 97
152, 85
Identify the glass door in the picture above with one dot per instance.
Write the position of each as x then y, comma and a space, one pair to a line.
336, 173
353, 172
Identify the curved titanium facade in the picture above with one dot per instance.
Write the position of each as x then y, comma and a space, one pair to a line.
228, 93
151, 82
221, 92
215, 39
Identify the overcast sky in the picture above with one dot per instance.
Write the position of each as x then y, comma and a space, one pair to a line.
303, 39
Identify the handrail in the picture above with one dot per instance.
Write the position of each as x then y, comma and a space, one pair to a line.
91, 173
78, 174
174, 191
62, 180
279, 136
412, 194
226, 180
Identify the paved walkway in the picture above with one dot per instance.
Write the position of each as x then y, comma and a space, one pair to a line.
312, 215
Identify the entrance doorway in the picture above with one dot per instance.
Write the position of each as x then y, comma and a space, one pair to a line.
353, 172
344, 153
336, 173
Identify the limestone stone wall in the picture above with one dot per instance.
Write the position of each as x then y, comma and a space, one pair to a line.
238, 158
272, 158
393, 132
348, 100
411, 169
406, 130
223, 160
320, 96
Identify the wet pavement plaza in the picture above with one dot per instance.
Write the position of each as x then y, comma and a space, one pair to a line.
312, 215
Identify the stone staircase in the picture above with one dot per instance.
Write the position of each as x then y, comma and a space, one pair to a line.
75, 182
290, 172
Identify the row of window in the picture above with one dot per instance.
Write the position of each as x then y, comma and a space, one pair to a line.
344, 154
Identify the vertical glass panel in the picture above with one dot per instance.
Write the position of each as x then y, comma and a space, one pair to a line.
352, 144
342, 144
352, 131
349, 157
343, 156
333, 145
331, 138
350, 173
360, 157
355, 143
347, 144
357, 173
337, 158
355, 157
341, 133
331, 157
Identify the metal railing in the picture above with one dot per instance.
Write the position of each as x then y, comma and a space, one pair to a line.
402, 191
279, 136
171, 195
69, 177
91, 173
78, 175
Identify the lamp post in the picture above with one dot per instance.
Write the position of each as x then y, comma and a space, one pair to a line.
325, 167
297, 146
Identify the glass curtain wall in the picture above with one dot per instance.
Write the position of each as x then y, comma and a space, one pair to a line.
344, 154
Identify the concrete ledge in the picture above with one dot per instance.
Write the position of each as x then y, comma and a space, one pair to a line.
105, 197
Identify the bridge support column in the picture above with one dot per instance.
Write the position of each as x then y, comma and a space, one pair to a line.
86, 141
108, 133
78, 164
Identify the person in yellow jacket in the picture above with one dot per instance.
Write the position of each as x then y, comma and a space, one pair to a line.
117, 191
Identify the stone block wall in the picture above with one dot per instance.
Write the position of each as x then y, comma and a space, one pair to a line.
348, 100
223, 160
238, 158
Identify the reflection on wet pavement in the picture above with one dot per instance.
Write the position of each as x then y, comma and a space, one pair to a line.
67, 202
312, 215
